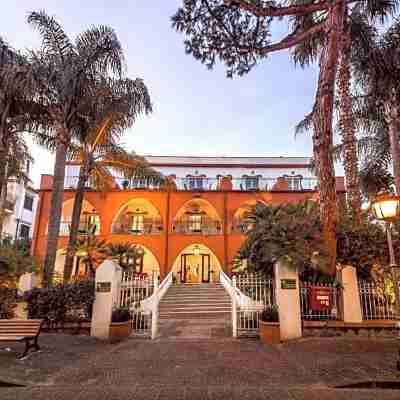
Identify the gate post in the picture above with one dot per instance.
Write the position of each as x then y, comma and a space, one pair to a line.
154, 311
107, 290
287, 293
351, 304
234, 309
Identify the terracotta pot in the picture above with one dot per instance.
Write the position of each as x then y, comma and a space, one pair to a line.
120, 330
270, 332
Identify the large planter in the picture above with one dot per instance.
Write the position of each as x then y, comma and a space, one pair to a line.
120, 330
270, 332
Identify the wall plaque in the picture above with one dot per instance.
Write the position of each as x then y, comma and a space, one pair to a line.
103, 287
288, 284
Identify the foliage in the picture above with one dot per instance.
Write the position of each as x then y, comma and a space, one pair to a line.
289, 233
363, 244
120, 315
15, 260
63, 303
270, 314
123, 251
8, 301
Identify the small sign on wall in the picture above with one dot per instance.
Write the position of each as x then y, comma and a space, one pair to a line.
288, 284
103, 287
321, 298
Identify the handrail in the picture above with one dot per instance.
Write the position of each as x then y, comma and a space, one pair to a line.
151, 304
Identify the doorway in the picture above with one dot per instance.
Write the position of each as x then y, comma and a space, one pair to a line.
195, 268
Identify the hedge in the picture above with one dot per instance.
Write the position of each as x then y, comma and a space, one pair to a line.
8, 302
62, 303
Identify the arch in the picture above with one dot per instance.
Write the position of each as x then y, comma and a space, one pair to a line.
151, 265
201, 259
245, 208
198, 205
137, 213
89, 221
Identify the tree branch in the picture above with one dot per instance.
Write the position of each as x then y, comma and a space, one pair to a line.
279, 11
287, 42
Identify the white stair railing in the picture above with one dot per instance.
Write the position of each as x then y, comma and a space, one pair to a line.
240, 301
151, 304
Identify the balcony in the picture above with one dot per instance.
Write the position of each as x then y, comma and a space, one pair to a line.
144, 227
203, 226
241, 226
84, 229
200, 184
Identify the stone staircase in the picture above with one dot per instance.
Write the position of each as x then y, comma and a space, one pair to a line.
196, 301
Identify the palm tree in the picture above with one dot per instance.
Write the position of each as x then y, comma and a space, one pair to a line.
123, 251
18, 113
98, 153
65, 74
377, 67
358, 21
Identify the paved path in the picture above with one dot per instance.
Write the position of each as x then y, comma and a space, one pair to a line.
206, 369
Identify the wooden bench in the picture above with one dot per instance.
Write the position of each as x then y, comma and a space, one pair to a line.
18, 330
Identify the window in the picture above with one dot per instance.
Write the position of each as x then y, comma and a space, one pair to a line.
195, 223
28, 202
195, 182
251, 182
24, 231
294, 183
137, 223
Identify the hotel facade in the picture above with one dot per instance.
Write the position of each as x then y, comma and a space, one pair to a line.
193, 225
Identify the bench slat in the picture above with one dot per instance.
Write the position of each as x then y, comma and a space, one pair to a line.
11, 338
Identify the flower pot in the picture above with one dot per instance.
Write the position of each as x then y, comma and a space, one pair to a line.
120, 330
270, 332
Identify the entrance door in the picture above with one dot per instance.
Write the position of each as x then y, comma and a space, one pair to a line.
205, 268
183, 268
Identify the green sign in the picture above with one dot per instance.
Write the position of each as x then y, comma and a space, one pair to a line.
103, 287
288, 283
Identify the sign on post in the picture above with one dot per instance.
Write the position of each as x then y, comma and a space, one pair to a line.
321, 298
288, 284
103, 287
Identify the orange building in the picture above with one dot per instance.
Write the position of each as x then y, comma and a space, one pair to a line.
193, 226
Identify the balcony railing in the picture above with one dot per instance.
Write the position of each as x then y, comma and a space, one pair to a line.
84, 228
241, 226
152, 227
198, 184
205, 227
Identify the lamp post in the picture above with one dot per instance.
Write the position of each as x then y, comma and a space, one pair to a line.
386, 208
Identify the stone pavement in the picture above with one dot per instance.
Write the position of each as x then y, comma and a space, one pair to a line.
213, 368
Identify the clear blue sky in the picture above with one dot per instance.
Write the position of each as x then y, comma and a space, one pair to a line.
196, 111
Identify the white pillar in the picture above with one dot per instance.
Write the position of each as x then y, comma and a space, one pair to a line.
288, 301
234, 308
154, 312
107, 287
26, 282
351, 296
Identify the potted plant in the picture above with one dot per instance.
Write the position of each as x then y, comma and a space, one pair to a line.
120, 327
269, 326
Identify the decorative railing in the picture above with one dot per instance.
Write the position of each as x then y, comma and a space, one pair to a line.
250, 295
378, 300
329, 292
207, 226
197, 184
241, 226
83, 229
148, 227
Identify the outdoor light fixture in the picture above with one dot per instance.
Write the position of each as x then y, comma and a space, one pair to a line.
386, 207
196, 250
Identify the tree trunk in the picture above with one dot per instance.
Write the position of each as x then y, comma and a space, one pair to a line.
3, 194
392, 115
349, 141
323, 135
55, 212
76, 216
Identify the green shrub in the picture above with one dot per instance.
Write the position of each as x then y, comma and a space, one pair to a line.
62, 303
8, 301
270, 314
120, 315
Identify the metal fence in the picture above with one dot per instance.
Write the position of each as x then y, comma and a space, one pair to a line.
255, 293
133, 291
329, 304
378, 300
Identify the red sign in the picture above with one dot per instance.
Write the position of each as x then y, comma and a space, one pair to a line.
321, 298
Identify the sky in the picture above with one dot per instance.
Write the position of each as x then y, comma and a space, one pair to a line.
196, 111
